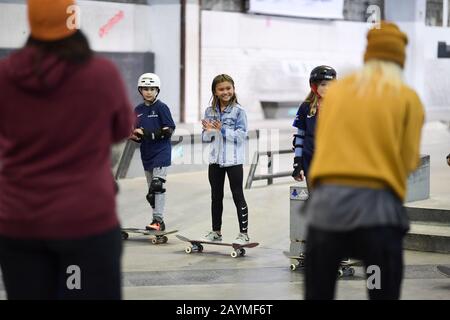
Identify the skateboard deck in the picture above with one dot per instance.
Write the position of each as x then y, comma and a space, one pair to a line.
159, 236
196, 246
444, 270
345, 267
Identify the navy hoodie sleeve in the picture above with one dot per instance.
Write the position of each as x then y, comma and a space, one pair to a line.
299, 121
300, 124
166, 117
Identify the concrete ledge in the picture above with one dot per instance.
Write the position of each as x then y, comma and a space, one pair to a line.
431, 238
426, 242
429, 215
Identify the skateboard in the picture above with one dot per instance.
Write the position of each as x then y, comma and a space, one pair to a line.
196, 246
345, 267
159, 236
444, 270
299, 261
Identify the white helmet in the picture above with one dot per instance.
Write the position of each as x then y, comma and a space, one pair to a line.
149, 80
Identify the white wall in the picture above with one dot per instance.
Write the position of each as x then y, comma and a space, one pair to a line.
270, 58
427, 74
164, 32
436, 71
192, 62
13, 25
124, 36
143, 28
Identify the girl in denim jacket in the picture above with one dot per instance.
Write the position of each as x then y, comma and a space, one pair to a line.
225, 127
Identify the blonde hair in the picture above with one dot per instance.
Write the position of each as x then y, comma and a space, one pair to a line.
379, 75
219, 79
313, 100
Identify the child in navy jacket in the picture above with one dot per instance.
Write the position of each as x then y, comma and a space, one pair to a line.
153, 128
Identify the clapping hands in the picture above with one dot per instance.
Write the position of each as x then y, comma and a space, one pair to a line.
209, 124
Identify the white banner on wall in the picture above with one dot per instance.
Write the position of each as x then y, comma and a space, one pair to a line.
324, 9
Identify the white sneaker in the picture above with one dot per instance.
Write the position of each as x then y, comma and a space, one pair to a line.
212, 236
242, 238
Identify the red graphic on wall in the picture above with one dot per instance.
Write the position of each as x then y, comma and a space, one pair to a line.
111, 23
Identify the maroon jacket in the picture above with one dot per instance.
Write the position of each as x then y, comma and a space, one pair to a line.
56, 132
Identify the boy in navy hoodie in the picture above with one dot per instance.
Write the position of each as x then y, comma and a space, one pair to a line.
153, 128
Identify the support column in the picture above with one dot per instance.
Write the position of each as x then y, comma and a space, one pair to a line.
190, 73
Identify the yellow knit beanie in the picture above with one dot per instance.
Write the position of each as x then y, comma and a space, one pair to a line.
386, 42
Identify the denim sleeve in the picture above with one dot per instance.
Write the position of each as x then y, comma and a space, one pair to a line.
240, 130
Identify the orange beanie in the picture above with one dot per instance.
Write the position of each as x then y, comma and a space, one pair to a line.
386, 42
48, 19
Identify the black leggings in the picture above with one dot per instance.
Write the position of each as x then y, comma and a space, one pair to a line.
87, 268
375, 246
216, 175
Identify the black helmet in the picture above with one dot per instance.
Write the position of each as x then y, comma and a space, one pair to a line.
321, 73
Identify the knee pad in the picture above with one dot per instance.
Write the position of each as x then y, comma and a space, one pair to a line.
156, 187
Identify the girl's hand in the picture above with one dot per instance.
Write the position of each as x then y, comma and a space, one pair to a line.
217, 124
211, 124
206, 124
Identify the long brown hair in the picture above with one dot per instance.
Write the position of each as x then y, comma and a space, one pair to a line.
219, 79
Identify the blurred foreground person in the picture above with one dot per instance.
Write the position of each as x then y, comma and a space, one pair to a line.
61, 109
367, 143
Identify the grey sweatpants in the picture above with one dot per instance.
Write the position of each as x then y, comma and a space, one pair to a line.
160, 199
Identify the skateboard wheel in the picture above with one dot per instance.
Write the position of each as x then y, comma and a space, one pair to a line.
234, 254
124, 235
349, 272
293, 267
242, 253
200, 248
340, 273
164, 239
154, 240
188, 250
